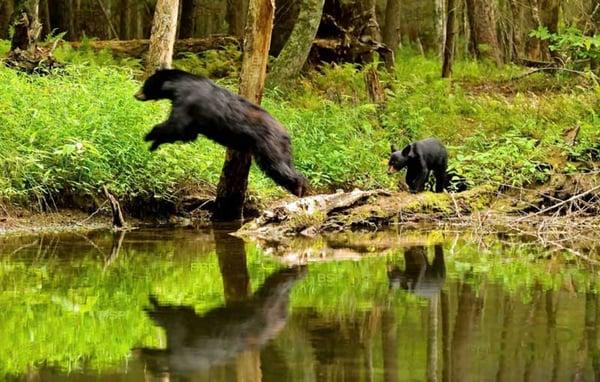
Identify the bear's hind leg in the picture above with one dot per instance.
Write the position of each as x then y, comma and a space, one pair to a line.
283, 174
440, 180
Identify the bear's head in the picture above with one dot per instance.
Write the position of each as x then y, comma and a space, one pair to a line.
161, 85
400, 158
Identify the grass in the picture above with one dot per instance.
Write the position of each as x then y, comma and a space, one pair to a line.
73, 132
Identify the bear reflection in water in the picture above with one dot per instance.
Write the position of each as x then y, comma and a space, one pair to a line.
198, 342
420, 277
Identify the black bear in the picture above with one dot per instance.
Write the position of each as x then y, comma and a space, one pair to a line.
419, 276
199, 106
196, 342
421, 158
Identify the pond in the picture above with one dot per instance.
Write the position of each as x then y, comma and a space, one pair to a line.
198, 304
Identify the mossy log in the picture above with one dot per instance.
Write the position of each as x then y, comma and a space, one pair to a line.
138, 48
358, 209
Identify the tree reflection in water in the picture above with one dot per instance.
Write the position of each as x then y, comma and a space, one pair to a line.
234, 332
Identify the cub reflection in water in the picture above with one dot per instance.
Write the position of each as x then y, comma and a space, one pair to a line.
419, 277
198, 342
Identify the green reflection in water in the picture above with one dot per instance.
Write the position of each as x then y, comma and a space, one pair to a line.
75, 306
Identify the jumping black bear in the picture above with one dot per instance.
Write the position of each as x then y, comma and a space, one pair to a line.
421, 158
199, 106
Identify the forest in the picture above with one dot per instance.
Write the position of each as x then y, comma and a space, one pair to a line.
510, 87
309, 190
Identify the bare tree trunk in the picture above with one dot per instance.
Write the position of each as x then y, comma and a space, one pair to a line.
6, 11
136, 21
27, 27
549, 15
391, 31
188, 18
45, 18
471, 41
291, 59
483, 29
124, 19
449, 43
440, 25
162, 38
61, 14
534, 50
595, 29
237, 11
231, 191
517, 42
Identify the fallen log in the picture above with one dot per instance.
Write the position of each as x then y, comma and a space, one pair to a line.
138, 48
365, 210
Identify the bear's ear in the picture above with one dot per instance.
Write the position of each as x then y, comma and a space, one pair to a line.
406, 152
394, 148
413, 151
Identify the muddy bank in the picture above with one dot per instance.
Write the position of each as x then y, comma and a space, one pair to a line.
564, 200
576, 196
16, 220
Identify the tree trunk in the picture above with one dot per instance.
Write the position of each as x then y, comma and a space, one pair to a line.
188, 18
440, 26
391, 31
233, 183
237, 12
484, 36
290, 61
534, 50
27, 27
162, 38
45, 18
517, 41
124, 19
61, 17
549, 16
371, 31
449, 43
286, 15
6, 11
595, 29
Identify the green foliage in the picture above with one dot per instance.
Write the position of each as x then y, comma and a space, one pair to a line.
73, 132
571, 44
223, 63
507, 159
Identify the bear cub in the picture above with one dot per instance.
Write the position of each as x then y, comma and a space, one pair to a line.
199, 106
421, 158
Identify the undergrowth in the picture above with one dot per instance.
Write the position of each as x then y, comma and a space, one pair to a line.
75, 131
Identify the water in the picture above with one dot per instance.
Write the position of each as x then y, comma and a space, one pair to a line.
198, 305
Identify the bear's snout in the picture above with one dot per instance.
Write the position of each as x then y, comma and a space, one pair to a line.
140, 96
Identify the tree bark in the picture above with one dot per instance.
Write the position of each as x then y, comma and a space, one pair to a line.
45, 18
27, 27
124, 19
189, 9
237, 11
391, 31
594, 29
231, 191
440, 25
517, 41
292, 58
449, 43
162, 38
61, 17
549, 16
484, 36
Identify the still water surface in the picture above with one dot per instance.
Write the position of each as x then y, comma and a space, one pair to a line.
199, 305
